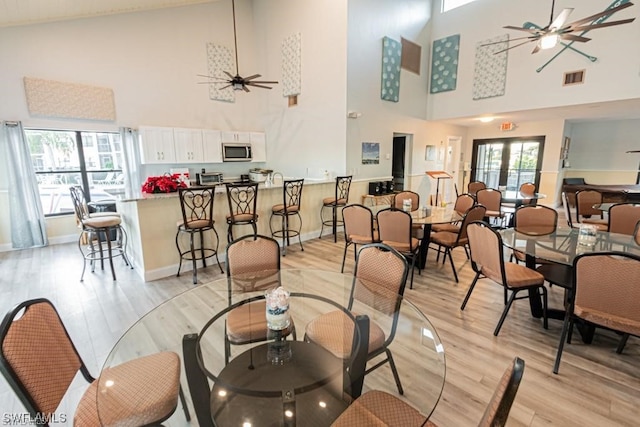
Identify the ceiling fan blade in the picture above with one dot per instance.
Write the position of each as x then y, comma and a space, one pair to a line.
528, 30
211, 77
598, 15
511, 47
574, 38
536, 49
263, 82
604, 24
245, 88
633, 151
561, 19
506, 41
255, 76
256, 85
228, 74
224, 87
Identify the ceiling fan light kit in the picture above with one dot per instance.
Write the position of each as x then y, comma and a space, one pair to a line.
557, 29
237, 82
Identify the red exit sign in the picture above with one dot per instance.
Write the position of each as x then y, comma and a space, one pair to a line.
507, 126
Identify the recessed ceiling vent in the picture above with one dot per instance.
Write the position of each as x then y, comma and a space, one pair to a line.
573, 77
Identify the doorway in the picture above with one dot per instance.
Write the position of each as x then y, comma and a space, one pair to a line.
398, 162
452, 160
507, 162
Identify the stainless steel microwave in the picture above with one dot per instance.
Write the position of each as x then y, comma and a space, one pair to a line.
236, 152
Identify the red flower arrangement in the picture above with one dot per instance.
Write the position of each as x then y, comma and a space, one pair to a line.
163, 184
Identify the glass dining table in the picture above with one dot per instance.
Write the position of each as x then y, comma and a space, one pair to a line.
562, 247
280, 381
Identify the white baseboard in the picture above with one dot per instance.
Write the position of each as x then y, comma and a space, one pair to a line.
58, 240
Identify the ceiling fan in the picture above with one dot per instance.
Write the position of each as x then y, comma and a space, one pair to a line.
557, 29
237, 82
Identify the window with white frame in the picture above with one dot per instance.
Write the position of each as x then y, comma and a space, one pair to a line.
62, 159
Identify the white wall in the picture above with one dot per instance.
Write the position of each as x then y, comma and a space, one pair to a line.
310, 137
614, 76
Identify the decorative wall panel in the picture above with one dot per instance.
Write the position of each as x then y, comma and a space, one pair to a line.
391, 58
444, 64
292, 65
411, 55
490, 75
50, 98
219, 60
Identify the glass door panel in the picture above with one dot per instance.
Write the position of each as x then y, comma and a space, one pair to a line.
489, 164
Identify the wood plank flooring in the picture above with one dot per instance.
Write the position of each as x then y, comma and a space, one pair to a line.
595, 387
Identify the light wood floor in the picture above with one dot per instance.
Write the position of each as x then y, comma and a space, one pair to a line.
595, 387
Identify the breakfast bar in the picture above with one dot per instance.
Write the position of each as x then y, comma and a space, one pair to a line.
151, 222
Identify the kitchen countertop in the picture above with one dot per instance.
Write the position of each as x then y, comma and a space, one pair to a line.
140, 196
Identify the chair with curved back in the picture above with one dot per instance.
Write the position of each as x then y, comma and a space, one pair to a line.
487, 259
292, 199
379, 408
492, 200
39, 361
196, 204
537, 220
339, 199
585, 200
395, 229
474, 186
378, 285
253, 264
97, 229
605, 293
243, 201
463, 203
398, 200
447, 241
358, 229
623, 218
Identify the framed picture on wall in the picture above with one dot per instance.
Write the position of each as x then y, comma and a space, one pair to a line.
370, 153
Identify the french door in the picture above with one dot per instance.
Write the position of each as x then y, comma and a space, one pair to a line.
507, 162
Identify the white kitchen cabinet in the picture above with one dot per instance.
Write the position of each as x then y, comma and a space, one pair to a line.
231, 136
156, 145
212, 146
258, 147
188, 145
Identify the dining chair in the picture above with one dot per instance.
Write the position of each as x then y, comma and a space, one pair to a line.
447, 241
417, 230
463, 203
196, 205
39, 361
585, 199
474, 186
492, 200
395, 229
487, 260
290, 207
605, 293
378, 285
379, 408
358, 229
253, 264
527, 188
567, 210
98, 229
533, 220
243, 200
623, 218
339, 200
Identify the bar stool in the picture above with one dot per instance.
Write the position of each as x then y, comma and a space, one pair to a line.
340, 199
292, 196
243, 199
98, 228
196, 204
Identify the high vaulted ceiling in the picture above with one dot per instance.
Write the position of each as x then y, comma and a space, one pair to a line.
24, 12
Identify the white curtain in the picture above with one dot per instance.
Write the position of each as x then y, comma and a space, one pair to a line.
132, 180
28, 227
